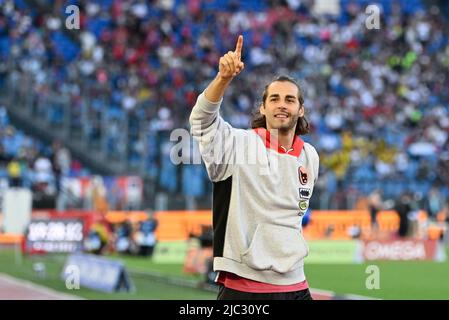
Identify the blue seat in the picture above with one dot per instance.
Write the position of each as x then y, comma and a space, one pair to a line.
96, 26
4, 46
21, 4
65, 47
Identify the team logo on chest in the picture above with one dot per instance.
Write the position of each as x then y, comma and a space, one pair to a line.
302, 175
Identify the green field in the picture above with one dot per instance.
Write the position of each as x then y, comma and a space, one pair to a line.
398, 280
146, 286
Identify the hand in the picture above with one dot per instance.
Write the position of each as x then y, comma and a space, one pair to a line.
230, 65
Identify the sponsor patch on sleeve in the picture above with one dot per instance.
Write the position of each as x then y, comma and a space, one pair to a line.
303, 205
305, 193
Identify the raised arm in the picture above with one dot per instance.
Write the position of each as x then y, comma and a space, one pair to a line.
216, 137
230, 65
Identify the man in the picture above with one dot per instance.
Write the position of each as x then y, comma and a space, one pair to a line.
403, 208
263, 180
375, 204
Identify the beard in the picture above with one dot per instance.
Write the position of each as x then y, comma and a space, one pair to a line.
287, 126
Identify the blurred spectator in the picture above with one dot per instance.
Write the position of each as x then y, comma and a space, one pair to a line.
403, 208
434, 203
43, 170
61, 159
375, 204
15, 173
123, 236
97, 195
97, 238
145, 237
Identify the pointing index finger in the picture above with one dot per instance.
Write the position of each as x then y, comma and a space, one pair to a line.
238, 47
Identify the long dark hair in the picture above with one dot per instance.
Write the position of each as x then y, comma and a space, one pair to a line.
259, 120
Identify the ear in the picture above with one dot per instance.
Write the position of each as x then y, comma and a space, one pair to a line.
262, 109
301, 111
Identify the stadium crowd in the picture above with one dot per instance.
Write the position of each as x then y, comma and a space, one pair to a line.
377, 100
29, 163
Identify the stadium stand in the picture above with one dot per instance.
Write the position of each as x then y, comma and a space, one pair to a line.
377, 100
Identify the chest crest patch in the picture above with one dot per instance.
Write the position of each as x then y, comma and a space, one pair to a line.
302, 175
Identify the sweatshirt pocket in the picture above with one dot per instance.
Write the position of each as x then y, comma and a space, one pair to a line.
278, 248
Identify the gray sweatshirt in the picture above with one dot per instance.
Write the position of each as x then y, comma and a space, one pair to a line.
261, 192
